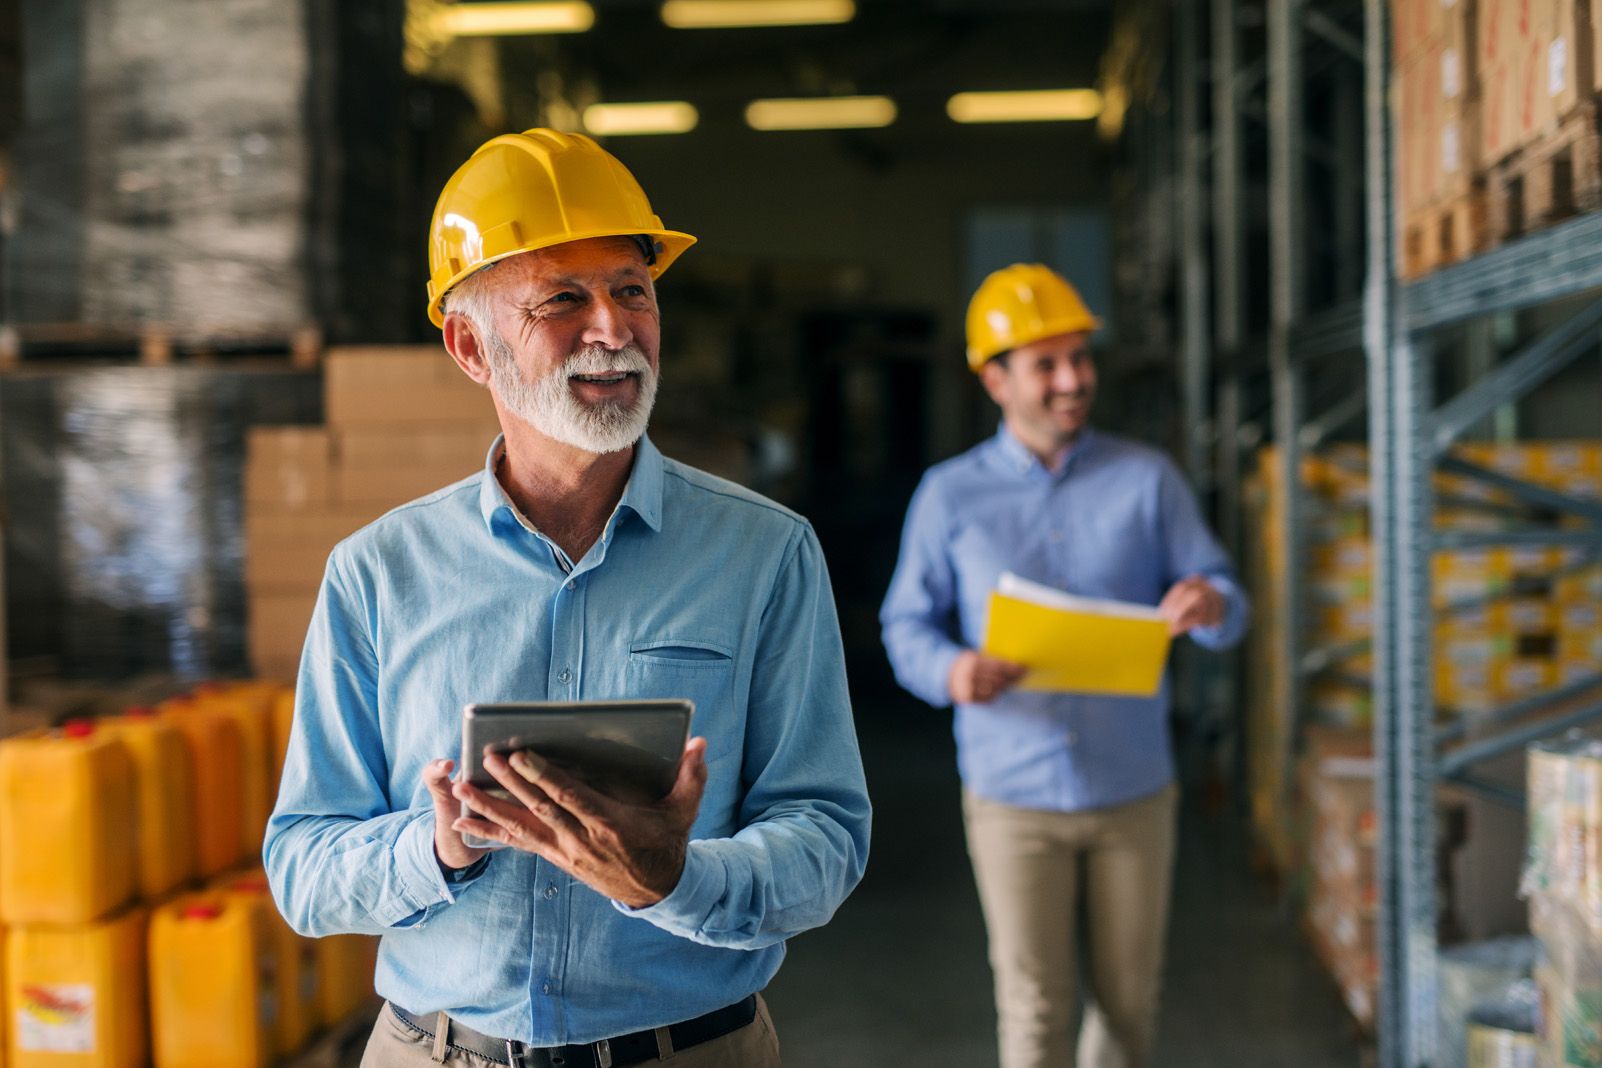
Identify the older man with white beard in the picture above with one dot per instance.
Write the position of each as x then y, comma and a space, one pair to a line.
578, 564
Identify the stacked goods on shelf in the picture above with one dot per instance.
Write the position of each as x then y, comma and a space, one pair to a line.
1488, 1009
1539, 142
1343, 888
106, 828
1438, 102
401, 422
1537, 624
1563, 882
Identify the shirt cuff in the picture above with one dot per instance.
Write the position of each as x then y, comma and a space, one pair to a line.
422, 881
701, 886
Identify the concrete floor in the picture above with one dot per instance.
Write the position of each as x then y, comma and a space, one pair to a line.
900, 977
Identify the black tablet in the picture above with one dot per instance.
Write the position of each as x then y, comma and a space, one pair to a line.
628, 750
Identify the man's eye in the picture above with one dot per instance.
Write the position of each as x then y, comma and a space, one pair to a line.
564, 298
634, 291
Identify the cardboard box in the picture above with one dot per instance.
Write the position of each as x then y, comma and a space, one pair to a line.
287, 550
379, 489
414, 384
277, 624
287, 467
380, 445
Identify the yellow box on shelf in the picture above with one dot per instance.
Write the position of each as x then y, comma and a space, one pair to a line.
165, 786
67, 826
213, 997
75, 994
295, 982
283, 718
215, 755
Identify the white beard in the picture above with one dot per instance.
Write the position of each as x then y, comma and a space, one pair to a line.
549, 405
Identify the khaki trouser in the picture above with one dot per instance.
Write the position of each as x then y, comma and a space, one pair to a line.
1031, 868
395, 1045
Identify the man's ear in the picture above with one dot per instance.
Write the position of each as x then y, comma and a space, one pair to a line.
462, 342
993, 376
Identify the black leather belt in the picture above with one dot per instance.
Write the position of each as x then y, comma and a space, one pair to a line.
635, 1048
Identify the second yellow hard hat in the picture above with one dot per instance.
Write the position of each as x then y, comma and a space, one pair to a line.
1021, 304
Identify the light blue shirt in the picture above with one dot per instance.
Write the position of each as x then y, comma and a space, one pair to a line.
1117, 521
697, 588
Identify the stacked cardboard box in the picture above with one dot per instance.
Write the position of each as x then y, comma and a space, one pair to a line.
1545, 628
1563, 881
1438, 122
401, 422
1343, 887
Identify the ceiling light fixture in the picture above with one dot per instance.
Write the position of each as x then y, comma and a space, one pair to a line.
821, 113
514, 17
729, 14
658, 117
1043, 105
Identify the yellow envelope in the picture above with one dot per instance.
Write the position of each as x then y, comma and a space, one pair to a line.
1077, 651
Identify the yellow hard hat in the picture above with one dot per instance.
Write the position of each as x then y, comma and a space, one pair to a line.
1020, 304
525, 191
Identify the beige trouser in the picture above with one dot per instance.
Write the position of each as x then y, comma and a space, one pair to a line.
392, 1043
1031, 867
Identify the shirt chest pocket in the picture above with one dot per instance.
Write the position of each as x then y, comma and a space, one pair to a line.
701, 671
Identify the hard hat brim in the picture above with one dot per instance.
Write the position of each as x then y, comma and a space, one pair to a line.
977, 358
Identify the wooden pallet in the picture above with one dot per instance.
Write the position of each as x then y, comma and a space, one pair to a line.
1552, 177
1450, 230
153, 344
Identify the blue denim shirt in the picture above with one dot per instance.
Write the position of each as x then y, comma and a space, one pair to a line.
1117, 521
697, 588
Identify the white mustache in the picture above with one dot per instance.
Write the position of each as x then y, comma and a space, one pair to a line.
600, 360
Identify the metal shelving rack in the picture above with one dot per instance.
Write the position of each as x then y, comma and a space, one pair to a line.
1396, 330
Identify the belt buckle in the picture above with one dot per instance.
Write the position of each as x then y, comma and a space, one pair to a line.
603, 1053
515, 1055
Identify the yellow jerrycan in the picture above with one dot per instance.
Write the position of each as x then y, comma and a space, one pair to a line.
75, 994
251, 711
295, 983
67, 826
215, 758
164, 783
213, 982
345, 966
283, 722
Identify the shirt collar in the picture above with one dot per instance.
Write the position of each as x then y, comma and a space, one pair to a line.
1016, 455
642, 495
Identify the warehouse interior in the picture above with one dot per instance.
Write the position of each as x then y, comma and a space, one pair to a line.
1344, 256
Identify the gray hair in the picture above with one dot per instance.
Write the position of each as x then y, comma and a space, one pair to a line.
471, 298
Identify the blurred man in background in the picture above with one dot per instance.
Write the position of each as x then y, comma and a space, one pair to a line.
1069, 799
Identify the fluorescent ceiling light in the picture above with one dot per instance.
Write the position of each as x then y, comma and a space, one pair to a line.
821, 113
725, 14
514, 17
663, 117
1045, 105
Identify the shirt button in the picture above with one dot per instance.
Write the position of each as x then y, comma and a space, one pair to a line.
572, 584
545, 988
550, 892
564, 676
1056, 535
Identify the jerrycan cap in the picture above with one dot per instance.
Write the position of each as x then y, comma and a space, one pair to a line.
78, 728
253, 884
139, 712
202, 910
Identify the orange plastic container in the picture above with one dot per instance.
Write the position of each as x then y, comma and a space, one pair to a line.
295, 982
67, 826
165, 784
213, 991
345, 966
75, 995
252, 712
214, 756
283, 722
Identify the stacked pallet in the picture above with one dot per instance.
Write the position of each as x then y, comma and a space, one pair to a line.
400, 423
1536, 625
1496, 120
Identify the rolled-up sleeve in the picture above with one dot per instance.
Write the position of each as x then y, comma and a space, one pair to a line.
918, 616
338, 859
805, 816
1192, 550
